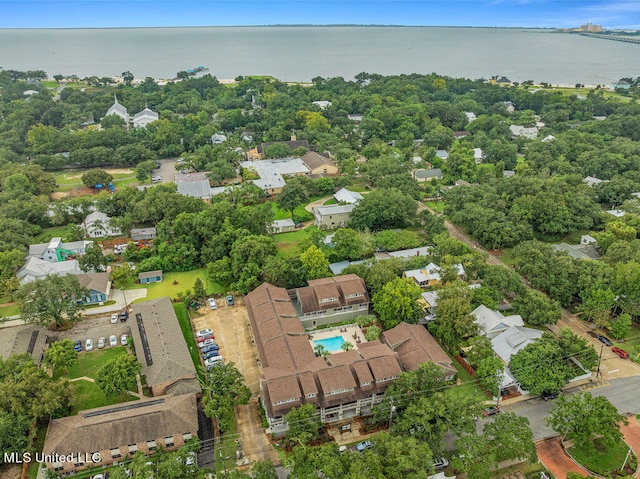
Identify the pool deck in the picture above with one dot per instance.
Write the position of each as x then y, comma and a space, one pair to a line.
350, 333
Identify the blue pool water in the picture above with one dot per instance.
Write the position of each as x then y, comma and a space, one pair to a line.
330, 344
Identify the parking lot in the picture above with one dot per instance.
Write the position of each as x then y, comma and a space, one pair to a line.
95, 328
230, 325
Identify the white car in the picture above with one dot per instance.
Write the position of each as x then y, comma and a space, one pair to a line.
204, 332
212, 303
206, 342
211, 362
124, 340
101, 343
114, 318
113, 341
88, 345
156, 179
191, 458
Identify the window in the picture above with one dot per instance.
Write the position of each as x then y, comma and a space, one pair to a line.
151, 445
186, 436
355, 295
328, 300
285, 401
366, 383
168, 441
133, 448
115, 453
310, 395
339, 391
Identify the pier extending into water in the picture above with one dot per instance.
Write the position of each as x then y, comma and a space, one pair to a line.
612, 37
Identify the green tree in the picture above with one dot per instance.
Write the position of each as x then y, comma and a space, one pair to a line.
56, 299
303, 423
490, 372
15, 433
61, 355
384, 208
621, 326
199, 290
455, 321
116, 375
223, 389
596, 305
511, 437
314, 263
293, 194
93, 259
586, 419
277, 150
144, 169
536, 308
347, 244
263, 470
541, 366
127, 77
95, 177
397, 301
403, 456
578, 347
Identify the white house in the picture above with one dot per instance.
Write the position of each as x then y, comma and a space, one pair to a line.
478, 155
527, 132
218, 139
322, 104
97, 225
56, 251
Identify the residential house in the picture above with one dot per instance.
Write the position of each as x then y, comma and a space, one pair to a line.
421, 175
98, 225
429, 276
470, 116
593, 181
161, 348
429, 300
37, 268
195, 185
578, 251
526, 132
29, 339
271, 173
118, 110
344, 195
106, 435
509, 106
415, 345
319, 164
332, 216
588, 240
403, 253
97, 285
218, 138
55, 250
621, 84
282, 226
616, 213
548, 139
355, 117
492, 323
462, 183
144, 117
142, 234
461, 134
478, 155
330, 300
508, 173
293, 145
442, 154
513, 340
322, 104
150, 277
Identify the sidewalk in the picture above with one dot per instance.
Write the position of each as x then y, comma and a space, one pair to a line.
118, 296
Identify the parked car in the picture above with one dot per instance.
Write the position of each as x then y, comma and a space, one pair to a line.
211, 354
113, 341
204, 332
77, 346
606, 341
212, 303
191, 458
124, 315
156, 179
491, 410
620, 352
88, 345
211, 362
206, 342
230, 301
124, 340
114, 318
364, 445
549, 396
440, 463
211, 347
208, 336
101, 343
430, 317
342, 449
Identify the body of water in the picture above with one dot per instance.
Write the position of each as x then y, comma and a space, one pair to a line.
301, 53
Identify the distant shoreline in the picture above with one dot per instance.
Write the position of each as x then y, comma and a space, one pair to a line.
310, 25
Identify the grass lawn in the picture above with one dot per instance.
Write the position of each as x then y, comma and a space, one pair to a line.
88, 396
184, 281
299, 213
228, 446
605, 460
331, 201
439, 206
357, 187
55, 232
38, 444
89, 362
288, 242
9, 310
187, 332
69, 179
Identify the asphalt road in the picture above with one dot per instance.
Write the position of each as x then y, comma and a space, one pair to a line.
621, 392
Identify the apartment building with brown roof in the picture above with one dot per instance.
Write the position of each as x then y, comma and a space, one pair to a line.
344, 385
331, 300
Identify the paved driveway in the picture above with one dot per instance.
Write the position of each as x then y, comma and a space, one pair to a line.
232, 332
553, 457
167, 170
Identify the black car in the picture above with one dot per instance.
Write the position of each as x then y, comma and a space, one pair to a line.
606, 341
549, 396
124, 315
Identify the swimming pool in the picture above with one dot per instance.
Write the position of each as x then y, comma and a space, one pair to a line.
330, 344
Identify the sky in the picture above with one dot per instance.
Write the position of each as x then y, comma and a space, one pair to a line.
612, 14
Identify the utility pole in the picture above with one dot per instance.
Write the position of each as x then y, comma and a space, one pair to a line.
391, 411
599, 361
